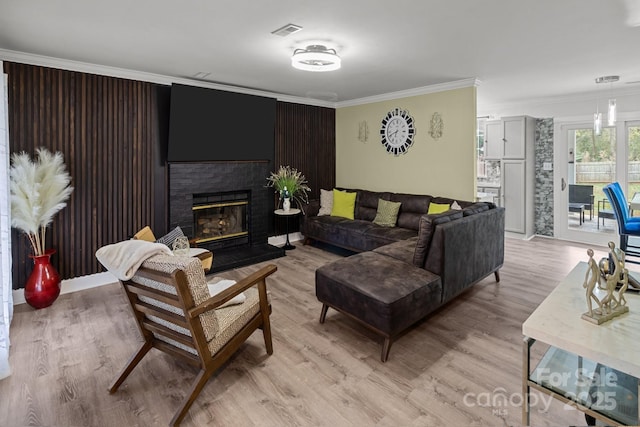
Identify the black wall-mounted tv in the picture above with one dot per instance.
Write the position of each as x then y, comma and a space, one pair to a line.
216, 125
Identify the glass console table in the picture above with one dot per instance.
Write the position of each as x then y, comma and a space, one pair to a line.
594, 368
597, 390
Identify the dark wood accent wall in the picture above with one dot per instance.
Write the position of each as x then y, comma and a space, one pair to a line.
113, 135
306, 140
109, 131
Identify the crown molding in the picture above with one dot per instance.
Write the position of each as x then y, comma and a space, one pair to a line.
440, 87
85, 67
105, 70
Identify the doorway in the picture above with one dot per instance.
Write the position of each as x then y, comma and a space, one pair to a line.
585, 164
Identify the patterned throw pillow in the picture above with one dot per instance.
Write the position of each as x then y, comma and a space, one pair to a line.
387, 213
326, 202
170, 237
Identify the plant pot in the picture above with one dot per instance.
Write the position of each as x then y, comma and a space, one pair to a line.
286, 204
43, 286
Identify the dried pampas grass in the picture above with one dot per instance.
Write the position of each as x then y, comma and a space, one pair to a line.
39, 189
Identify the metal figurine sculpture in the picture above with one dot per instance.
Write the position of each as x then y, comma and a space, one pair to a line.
591, 278
610, 301
614, 272
625, 285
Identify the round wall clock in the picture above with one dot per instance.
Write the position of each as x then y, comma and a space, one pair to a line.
397, 131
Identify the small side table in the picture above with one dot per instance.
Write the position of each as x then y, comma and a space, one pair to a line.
291, 212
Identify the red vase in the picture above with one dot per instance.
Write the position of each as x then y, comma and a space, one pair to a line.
43, 285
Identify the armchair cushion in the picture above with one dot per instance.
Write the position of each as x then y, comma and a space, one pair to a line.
217, 285
233, 318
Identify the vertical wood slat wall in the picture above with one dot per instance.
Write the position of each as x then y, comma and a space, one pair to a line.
106, 129
305, 140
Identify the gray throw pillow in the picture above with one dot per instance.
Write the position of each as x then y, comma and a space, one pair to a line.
170, 237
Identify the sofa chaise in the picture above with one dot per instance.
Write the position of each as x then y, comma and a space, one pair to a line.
404, 273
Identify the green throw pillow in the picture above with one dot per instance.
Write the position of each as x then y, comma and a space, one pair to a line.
387, 213
435, 208
344, 204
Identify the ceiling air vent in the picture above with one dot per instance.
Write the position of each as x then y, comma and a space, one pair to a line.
287, 30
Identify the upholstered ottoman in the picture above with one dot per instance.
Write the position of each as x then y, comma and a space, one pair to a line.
385, 294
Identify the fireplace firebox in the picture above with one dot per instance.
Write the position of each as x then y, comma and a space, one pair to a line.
221, 219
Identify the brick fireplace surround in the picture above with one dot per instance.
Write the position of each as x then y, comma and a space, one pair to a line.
187, 179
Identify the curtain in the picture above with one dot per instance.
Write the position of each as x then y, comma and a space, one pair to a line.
6, 296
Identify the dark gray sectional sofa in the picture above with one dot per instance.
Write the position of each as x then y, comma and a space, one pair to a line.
361, 234
404, 273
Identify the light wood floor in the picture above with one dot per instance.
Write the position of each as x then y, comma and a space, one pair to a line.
64, 357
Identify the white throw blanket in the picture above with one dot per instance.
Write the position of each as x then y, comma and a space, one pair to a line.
217, 285
123, 259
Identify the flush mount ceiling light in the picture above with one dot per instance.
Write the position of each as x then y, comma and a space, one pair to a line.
315, 58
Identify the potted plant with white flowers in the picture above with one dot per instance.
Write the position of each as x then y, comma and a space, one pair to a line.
288, 182
39, 190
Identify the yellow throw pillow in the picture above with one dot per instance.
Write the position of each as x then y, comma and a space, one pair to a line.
344, 204
436, 208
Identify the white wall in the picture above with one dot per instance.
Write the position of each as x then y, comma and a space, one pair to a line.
5, 222
442, 167
6, 303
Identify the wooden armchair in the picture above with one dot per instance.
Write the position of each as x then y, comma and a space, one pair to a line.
175, 314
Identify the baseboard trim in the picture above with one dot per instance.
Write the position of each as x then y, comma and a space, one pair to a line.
99, 279
73, 285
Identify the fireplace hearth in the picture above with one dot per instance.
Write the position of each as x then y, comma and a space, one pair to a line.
226, 208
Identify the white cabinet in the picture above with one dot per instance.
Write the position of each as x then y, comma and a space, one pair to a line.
514, 201
506, 138
511, 141
493, 134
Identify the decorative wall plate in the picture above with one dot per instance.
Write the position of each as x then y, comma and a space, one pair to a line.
397, 131
363, 131
437, 126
